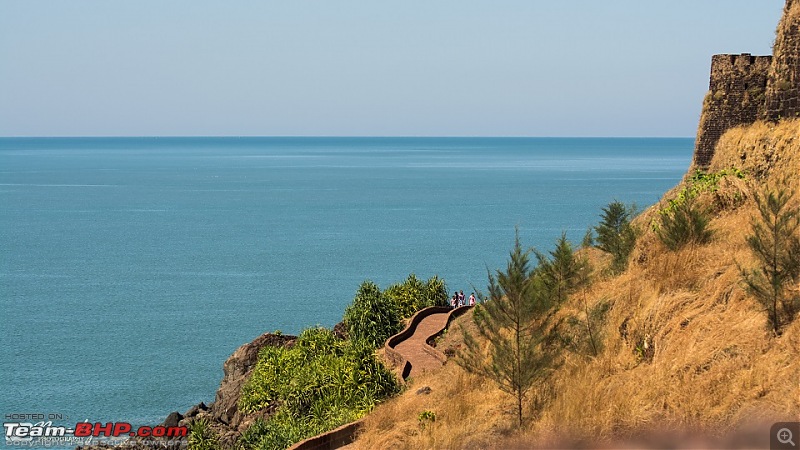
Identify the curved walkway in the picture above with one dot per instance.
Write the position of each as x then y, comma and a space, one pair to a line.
409, 351
415, 348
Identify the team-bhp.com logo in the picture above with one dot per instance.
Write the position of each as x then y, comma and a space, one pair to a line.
45, 433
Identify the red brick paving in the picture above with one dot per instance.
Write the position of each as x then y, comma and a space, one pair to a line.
412, 348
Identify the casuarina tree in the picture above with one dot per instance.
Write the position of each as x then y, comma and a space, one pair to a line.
776, 244
507, 320
615, 234
560, 271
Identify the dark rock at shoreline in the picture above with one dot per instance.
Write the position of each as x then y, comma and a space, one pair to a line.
195, 410
237, 370
223, 414
173, 419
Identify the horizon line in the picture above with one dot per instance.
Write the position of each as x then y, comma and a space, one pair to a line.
248, 136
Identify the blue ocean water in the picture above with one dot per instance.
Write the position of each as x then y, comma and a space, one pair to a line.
131, 268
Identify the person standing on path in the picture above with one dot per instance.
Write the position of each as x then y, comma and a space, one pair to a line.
472, 299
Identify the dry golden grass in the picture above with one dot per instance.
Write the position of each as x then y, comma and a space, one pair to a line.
761, 149
711, 363
470, 413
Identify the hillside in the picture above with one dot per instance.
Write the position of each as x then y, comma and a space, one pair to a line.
684, 345
684, 354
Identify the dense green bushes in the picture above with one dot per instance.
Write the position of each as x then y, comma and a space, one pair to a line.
374, 316
413, 295
201, 436
319, 383
323, 381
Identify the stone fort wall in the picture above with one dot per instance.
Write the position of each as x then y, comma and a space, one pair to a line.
746, 88
736, 96
783, 92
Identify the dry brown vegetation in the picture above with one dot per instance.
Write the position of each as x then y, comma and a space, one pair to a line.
761, 149
684, 345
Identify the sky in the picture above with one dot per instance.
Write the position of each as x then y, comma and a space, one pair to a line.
367, 68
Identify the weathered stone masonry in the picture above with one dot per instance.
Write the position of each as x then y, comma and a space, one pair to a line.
736, 96
783, 92
746, 88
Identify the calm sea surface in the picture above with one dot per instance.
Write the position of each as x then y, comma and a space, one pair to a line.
131, 268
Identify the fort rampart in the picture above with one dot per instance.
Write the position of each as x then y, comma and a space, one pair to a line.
745, 88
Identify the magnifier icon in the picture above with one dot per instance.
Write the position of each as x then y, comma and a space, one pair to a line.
785, 436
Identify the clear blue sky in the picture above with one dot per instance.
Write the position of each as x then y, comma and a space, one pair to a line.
378, 68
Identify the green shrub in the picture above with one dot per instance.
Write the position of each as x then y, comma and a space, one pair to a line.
322, 381
700, 182
413, 295
252, 436
279, 432
201, 436
318, 384
685, 224
426, 418
435, 293
372, 317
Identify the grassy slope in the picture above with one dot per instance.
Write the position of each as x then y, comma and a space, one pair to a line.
715, 366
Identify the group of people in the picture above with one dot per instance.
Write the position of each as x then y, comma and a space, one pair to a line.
459, 300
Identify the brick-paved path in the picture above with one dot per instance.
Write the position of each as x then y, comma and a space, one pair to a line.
411, 348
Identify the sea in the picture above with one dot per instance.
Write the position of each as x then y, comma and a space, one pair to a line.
131, 268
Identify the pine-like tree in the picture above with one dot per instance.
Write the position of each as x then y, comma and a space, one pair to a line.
776, 244
560, 271
583, 280
588, 238
510, 319
685, 224
615, 234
